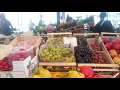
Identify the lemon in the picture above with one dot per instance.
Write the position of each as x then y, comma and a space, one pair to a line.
36, 76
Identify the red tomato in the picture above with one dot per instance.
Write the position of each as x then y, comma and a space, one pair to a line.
87, 71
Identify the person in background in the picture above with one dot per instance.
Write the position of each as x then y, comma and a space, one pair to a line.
6, 27
31, 25
68, 18
103, 25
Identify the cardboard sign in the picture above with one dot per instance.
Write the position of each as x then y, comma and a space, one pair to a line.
4, 50
70, 40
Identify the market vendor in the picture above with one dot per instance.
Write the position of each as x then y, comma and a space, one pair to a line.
103, 25
6, 27
69, 18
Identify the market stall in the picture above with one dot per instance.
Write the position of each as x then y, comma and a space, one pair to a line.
63, 55
101, 65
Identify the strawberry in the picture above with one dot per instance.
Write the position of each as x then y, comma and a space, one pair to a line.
7, 67
4, 63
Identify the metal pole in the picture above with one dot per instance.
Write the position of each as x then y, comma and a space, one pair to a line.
58, 18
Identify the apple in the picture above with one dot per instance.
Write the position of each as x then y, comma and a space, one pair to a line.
108, 45
116, 60
116, 46
106, 40
115, 42
118, 40
112, 50
113, 53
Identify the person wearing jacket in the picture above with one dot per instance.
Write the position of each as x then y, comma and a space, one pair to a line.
103, 25
68, 18
6, 27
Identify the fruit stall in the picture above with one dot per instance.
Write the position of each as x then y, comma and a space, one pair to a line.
62, 55
19, 58
71, 60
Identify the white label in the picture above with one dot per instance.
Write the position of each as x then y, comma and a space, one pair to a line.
70, 40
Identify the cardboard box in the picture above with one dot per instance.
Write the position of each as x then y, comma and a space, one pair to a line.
4, 50
21, 69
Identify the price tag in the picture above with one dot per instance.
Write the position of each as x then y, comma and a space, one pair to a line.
70, 40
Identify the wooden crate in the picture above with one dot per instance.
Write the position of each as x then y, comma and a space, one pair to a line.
4, 50
65, 66
24, 38
92, 40
49, 35
109, 72
21, 69
109, 35
71, 47
106, 70
95, 40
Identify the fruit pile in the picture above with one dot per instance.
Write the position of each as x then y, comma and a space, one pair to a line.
85, 72
99, 58
4, 65
27, 43
44, 73
18, 54
96, 47
83, 54
82, 41
56, 54
56, 40
113, 47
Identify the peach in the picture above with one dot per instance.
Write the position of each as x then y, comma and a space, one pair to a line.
118, 51
119, 55
113, 53
116, 60
112, 50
